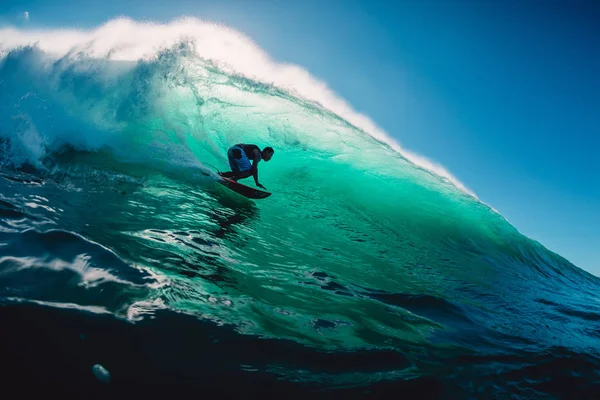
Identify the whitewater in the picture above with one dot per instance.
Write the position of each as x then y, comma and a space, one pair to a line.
371, 270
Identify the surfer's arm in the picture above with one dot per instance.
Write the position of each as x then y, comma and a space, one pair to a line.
255, 162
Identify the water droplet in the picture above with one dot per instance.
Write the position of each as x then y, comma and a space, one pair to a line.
101, 373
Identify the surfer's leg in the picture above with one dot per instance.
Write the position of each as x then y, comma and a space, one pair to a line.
238, 161
242, 175
243, 163
239, 164
243, 168
232, 161
228, 175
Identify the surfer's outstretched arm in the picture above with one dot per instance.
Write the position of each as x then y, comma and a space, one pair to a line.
255, 175
255, 161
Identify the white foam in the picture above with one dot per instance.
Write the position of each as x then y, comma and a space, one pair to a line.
67, 306
28, 144
125, 39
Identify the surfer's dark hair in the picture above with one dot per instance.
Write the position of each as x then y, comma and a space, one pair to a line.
269, 149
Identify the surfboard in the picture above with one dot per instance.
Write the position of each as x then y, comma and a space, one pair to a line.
244, 190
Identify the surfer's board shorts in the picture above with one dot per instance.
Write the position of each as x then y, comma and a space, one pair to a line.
238, 160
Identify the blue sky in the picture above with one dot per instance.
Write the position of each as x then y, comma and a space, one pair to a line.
504, 94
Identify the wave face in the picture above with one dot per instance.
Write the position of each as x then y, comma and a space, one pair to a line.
369, 269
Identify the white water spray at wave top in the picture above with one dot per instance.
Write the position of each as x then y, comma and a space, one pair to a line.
123, 39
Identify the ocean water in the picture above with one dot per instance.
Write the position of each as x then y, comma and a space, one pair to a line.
370, 272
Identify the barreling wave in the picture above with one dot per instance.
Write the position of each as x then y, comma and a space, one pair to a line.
113, 49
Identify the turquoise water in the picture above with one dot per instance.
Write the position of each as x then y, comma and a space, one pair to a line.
106, 212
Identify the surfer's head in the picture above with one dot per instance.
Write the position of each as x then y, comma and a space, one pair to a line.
267, 153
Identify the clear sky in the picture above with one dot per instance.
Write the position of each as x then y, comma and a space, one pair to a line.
504, 94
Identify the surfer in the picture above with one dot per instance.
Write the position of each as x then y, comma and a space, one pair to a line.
239, 156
